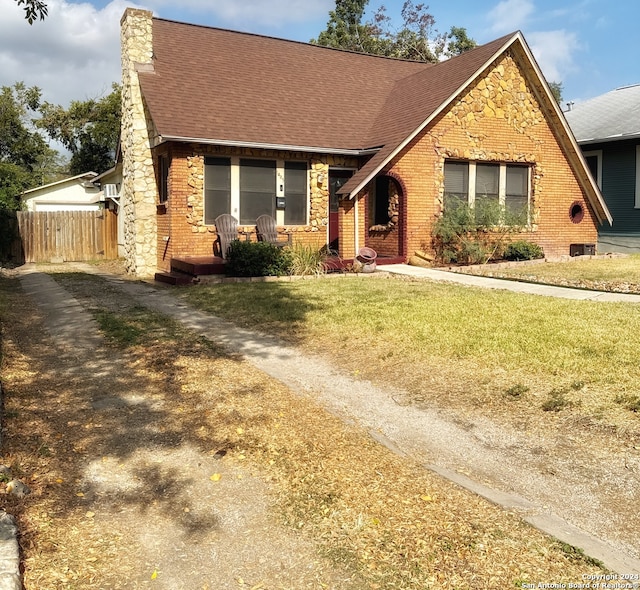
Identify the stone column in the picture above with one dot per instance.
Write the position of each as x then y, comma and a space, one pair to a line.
139, 190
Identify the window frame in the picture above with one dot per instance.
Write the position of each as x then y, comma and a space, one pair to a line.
279, 190
596, 154
471, 179
163, 179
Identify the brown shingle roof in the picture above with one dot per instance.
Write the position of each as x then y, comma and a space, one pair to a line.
223, 85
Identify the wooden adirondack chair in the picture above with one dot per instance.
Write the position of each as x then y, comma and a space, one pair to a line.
227, 230
267, 232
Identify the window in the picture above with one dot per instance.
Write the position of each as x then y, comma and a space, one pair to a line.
247, 188
217, 188
163, 179
489, 187
257, 189
295, 192
638, 177
594, 163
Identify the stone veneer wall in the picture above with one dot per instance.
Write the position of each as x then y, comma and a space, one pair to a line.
139, 189
498, 120
182, 225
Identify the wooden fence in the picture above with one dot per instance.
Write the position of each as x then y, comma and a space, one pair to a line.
76, 236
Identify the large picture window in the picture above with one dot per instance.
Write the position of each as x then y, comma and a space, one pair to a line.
487, 188
247, 188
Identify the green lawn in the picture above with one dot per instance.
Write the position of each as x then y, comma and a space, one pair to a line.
449, 343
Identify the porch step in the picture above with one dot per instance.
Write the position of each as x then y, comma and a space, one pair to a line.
174, 278
198, 265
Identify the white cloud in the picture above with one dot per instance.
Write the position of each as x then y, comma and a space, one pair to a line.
510, 15
554, 51
73, 54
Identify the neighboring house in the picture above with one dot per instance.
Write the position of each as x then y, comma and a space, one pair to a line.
79, 193
607, 128
345, 150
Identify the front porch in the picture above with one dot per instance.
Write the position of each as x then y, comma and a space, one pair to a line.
186, 270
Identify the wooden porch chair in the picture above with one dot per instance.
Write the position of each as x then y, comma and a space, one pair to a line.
227, 230
267, 232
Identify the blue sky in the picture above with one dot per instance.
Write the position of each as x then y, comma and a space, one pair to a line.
588, 45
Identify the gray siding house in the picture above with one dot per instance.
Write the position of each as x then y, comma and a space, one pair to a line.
607, 129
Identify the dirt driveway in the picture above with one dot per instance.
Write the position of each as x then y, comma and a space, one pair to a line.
143, 453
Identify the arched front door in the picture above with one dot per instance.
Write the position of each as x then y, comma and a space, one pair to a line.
386, 235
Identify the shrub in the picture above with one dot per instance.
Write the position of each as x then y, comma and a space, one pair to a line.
523, 250
257, 259
474, 235
307, 260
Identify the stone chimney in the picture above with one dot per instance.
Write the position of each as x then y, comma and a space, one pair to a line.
139, 189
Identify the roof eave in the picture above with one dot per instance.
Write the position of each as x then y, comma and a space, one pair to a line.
272, 146
609, 139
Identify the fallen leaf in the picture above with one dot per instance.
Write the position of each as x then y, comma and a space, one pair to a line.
426, 498
80, 494
240, 430
154, 575
216, 477
90, 514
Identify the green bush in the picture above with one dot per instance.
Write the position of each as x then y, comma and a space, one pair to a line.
474, 235
523, 250
257, 259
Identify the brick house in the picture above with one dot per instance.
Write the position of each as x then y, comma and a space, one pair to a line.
344, 149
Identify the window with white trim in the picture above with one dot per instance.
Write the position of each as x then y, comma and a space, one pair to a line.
594, 163
247, 188
481, 184
638, 177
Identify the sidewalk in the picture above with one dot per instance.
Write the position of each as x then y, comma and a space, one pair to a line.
432, 274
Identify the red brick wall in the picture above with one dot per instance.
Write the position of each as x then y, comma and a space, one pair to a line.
515, 132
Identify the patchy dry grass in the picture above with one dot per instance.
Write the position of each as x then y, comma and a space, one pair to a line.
380, 517
603, 273
457, 347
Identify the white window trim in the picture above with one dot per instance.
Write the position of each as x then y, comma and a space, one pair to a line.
637, 177
598, 154
279, 189
502, 183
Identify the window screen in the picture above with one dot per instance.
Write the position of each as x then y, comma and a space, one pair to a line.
257, 190
295, 192
456, 183
217, 188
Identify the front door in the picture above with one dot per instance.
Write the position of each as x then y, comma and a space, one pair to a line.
337, 178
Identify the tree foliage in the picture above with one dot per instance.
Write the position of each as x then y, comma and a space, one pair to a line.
34, 10
25, 158
417, 39
556, 90
88, 129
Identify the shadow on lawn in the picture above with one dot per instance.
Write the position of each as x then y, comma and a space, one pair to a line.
109, 425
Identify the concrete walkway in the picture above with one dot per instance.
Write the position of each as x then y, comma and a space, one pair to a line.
433, 274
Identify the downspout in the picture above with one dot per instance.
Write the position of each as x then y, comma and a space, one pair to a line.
356, 233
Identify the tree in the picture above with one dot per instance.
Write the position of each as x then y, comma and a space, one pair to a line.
88, 129
25, 157
417, 39
34, 10
556, 90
